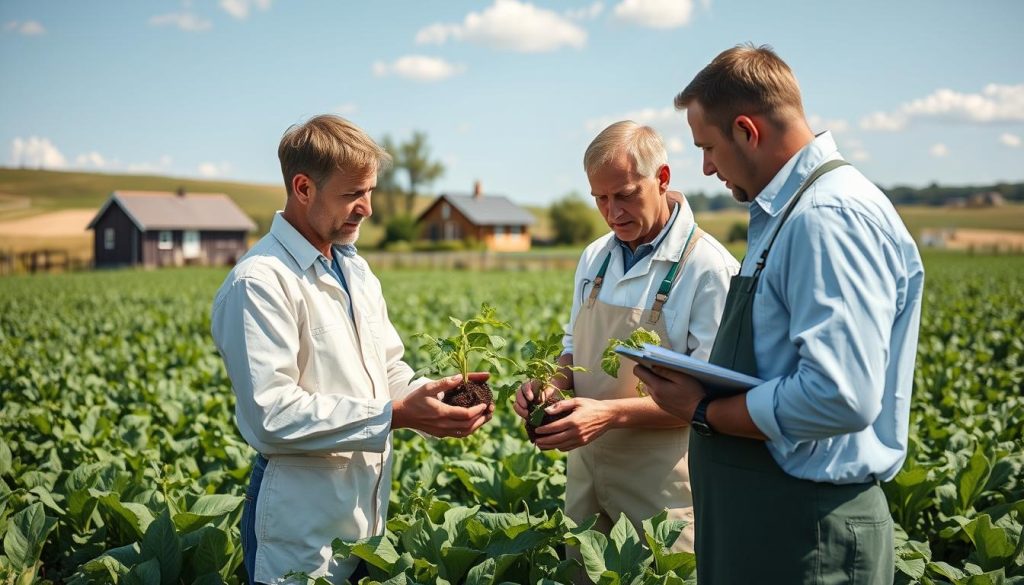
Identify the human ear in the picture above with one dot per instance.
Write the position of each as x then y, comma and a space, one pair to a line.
664, 175
302, 187
745, 129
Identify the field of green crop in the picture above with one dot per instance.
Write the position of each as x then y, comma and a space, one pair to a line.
120, 463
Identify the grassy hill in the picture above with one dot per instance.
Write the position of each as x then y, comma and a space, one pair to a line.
57, 190
25, 193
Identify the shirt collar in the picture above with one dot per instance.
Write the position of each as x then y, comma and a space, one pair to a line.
653, 244
304, 253
778, 192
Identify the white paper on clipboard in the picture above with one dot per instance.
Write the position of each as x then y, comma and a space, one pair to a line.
716, 379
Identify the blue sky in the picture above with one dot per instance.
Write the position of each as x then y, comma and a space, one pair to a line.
510, 92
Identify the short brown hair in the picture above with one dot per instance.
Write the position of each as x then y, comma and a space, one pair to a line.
324, 144
744, 80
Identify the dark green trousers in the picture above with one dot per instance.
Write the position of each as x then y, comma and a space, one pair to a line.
757, 524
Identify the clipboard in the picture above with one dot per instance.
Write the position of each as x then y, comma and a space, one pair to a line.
717, 380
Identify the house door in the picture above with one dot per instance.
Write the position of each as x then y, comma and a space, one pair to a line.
190, 244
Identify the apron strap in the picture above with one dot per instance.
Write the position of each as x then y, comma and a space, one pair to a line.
821, 170
598, 280
666, 285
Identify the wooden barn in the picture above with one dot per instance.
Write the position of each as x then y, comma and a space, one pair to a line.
153, 229
495, 220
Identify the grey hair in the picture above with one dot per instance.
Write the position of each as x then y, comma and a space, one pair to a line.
641, 143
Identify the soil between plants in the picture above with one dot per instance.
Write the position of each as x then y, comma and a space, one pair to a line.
469, 394
531, 431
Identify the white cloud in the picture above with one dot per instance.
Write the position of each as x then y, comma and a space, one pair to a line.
883, 122
418, 68
346, 109
834, 125
37, 153
212, 170
854, 150
1011, 140
586, 13
185, 21
92, 159
655, 13
938, 150
509, 25
29, 28
667, 116
995, 103
675, 145
239, 9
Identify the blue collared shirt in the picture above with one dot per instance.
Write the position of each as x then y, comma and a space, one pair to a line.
339, 252
631, 257
836, 318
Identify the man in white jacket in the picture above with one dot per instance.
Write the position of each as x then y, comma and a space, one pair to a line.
656, 270
316, 364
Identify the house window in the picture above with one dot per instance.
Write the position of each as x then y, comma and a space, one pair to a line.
514, 230
446, 211
190, 246
166, 241
108, 239
499, 231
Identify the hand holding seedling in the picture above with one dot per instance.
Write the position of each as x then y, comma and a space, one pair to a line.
546, 379
447, 353
424, 411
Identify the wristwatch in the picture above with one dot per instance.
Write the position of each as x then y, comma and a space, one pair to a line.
699, 422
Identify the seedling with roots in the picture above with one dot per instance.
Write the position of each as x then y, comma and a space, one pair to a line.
455, 353
540, 365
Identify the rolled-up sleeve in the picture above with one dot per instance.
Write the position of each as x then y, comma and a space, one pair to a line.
257, 334
838, 284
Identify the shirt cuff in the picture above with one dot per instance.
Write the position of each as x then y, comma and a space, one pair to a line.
761, 406
378, 426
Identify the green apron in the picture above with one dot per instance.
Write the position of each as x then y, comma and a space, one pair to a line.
754, 522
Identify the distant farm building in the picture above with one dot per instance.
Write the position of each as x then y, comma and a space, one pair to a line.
152, 229
973, 240
494, 220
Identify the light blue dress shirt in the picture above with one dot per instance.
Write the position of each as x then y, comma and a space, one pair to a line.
631, 257
339, 252
836, 319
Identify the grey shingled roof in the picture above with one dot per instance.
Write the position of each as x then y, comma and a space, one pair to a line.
490, 210
154, 210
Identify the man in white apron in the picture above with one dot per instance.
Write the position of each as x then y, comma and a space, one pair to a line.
656, 270
316, 365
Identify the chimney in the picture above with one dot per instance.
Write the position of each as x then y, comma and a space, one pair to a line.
478, 190
181, 191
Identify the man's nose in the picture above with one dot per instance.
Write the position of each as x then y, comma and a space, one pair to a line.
364, 207
709, 167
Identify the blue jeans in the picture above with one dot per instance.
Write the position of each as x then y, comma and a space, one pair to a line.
259, 465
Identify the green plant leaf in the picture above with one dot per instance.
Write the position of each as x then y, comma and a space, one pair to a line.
971, 479
26, 534
146, 573
161, 543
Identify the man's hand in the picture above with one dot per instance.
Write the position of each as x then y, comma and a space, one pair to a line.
675, 392
423, 410
589, 420
525, 396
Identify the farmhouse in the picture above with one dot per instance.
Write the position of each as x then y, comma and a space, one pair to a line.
494, 220
145, 228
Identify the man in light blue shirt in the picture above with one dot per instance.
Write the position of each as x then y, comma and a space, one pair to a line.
826, 311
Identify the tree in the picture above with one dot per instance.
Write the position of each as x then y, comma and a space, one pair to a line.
572, 219
414, 158
388, 188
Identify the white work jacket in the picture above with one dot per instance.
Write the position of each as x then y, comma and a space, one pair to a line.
313, 388
697, 298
